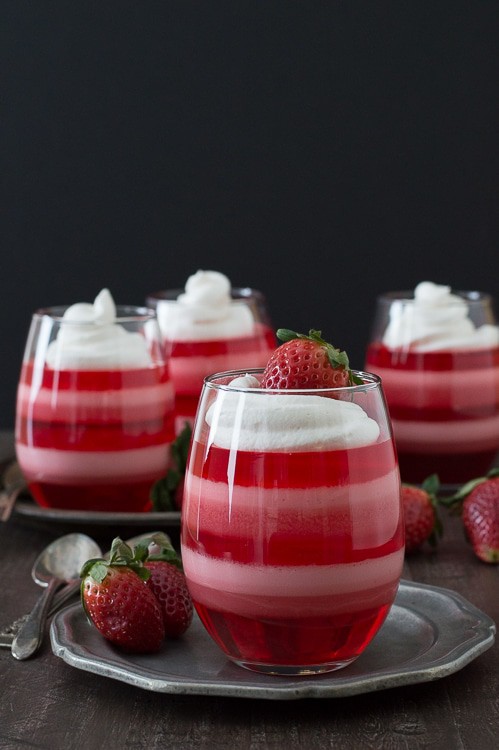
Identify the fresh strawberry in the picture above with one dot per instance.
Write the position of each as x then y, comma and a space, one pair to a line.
122, 608
421, 519
307, 362
167, 582
478, 503
169, 587
167, 492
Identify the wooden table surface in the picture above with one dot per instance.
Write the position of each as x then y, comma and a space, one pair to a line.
45, 703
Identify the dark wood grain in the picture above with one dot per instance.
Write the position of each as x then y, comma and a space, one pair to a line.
45, 703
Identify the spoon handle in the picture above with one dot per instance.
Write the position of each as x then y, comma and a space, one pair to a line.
30, 635
62, 596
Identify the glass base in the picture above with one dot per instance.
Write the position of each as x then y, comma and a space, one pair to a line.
295, 670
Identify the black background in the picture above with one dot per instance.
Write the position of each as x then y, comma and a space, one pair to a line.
322, 152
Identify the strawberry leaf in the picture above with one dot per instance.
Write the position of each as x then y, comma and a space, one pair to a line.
121, 553
284, 334
100, 567
163, 491
431, 485
98, 571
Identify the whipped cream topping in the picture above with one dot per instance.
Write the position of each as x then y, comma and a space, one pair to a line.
205, 311
89, 338
258, 420
436, 319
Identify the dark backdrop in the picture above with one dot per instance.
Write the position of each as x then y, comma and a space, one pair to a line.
320, 151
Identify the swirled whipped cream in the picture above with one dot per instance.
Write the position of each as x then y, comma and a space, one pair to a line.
258, 420
436, 319
89, 338
205, 311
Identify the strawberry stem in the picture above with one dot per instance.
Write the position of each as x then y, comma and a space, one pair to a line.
455, 501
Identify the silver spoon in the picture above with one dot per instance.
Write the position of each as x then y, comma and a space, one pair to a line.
59, 563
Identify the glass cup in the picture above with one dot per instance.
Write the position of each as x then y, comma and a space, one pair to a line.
94, 425
443, 396
292, 532
197, 348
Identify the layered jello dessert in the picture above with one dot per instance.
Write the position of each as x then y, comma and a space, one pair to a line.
210, 327
94, 408
437, 353
292, 535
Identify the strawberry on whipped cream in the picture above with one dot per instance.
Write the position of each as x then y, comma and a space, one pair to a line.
94, 407
437, 353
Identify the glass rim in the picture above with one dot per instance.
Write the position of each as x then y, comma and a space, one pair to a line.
472, 296
124, 314
238, 294
373, 381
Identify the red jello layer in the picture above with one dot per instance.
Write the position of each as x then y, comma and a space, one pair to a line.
288, 549
452, 468
298, 641
93, 380
126, 497
421, 414
300, 470
90, 437
378, 355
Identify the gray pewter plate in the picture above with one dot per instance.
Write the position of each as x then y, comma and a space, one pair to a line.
29, 509
430, 633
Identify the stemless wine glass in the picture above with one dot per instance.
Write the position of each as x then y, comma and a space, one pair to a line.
292, 533
94, 415
201, 340
439, 364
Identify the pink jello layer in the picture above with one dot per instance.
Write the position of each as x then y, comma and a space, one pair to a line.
256, 591
322, 524
457, 391
456, 436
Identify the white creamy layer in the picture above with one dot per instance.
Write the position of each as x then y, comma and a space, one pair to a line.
89, 338
279, 590
259, 420
457, 436
87, 467
205, 312
434, 320
138, 404
450, 389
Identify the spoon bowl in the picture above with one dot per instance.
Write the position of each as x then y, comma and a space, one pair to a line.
63, 558
59, 563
